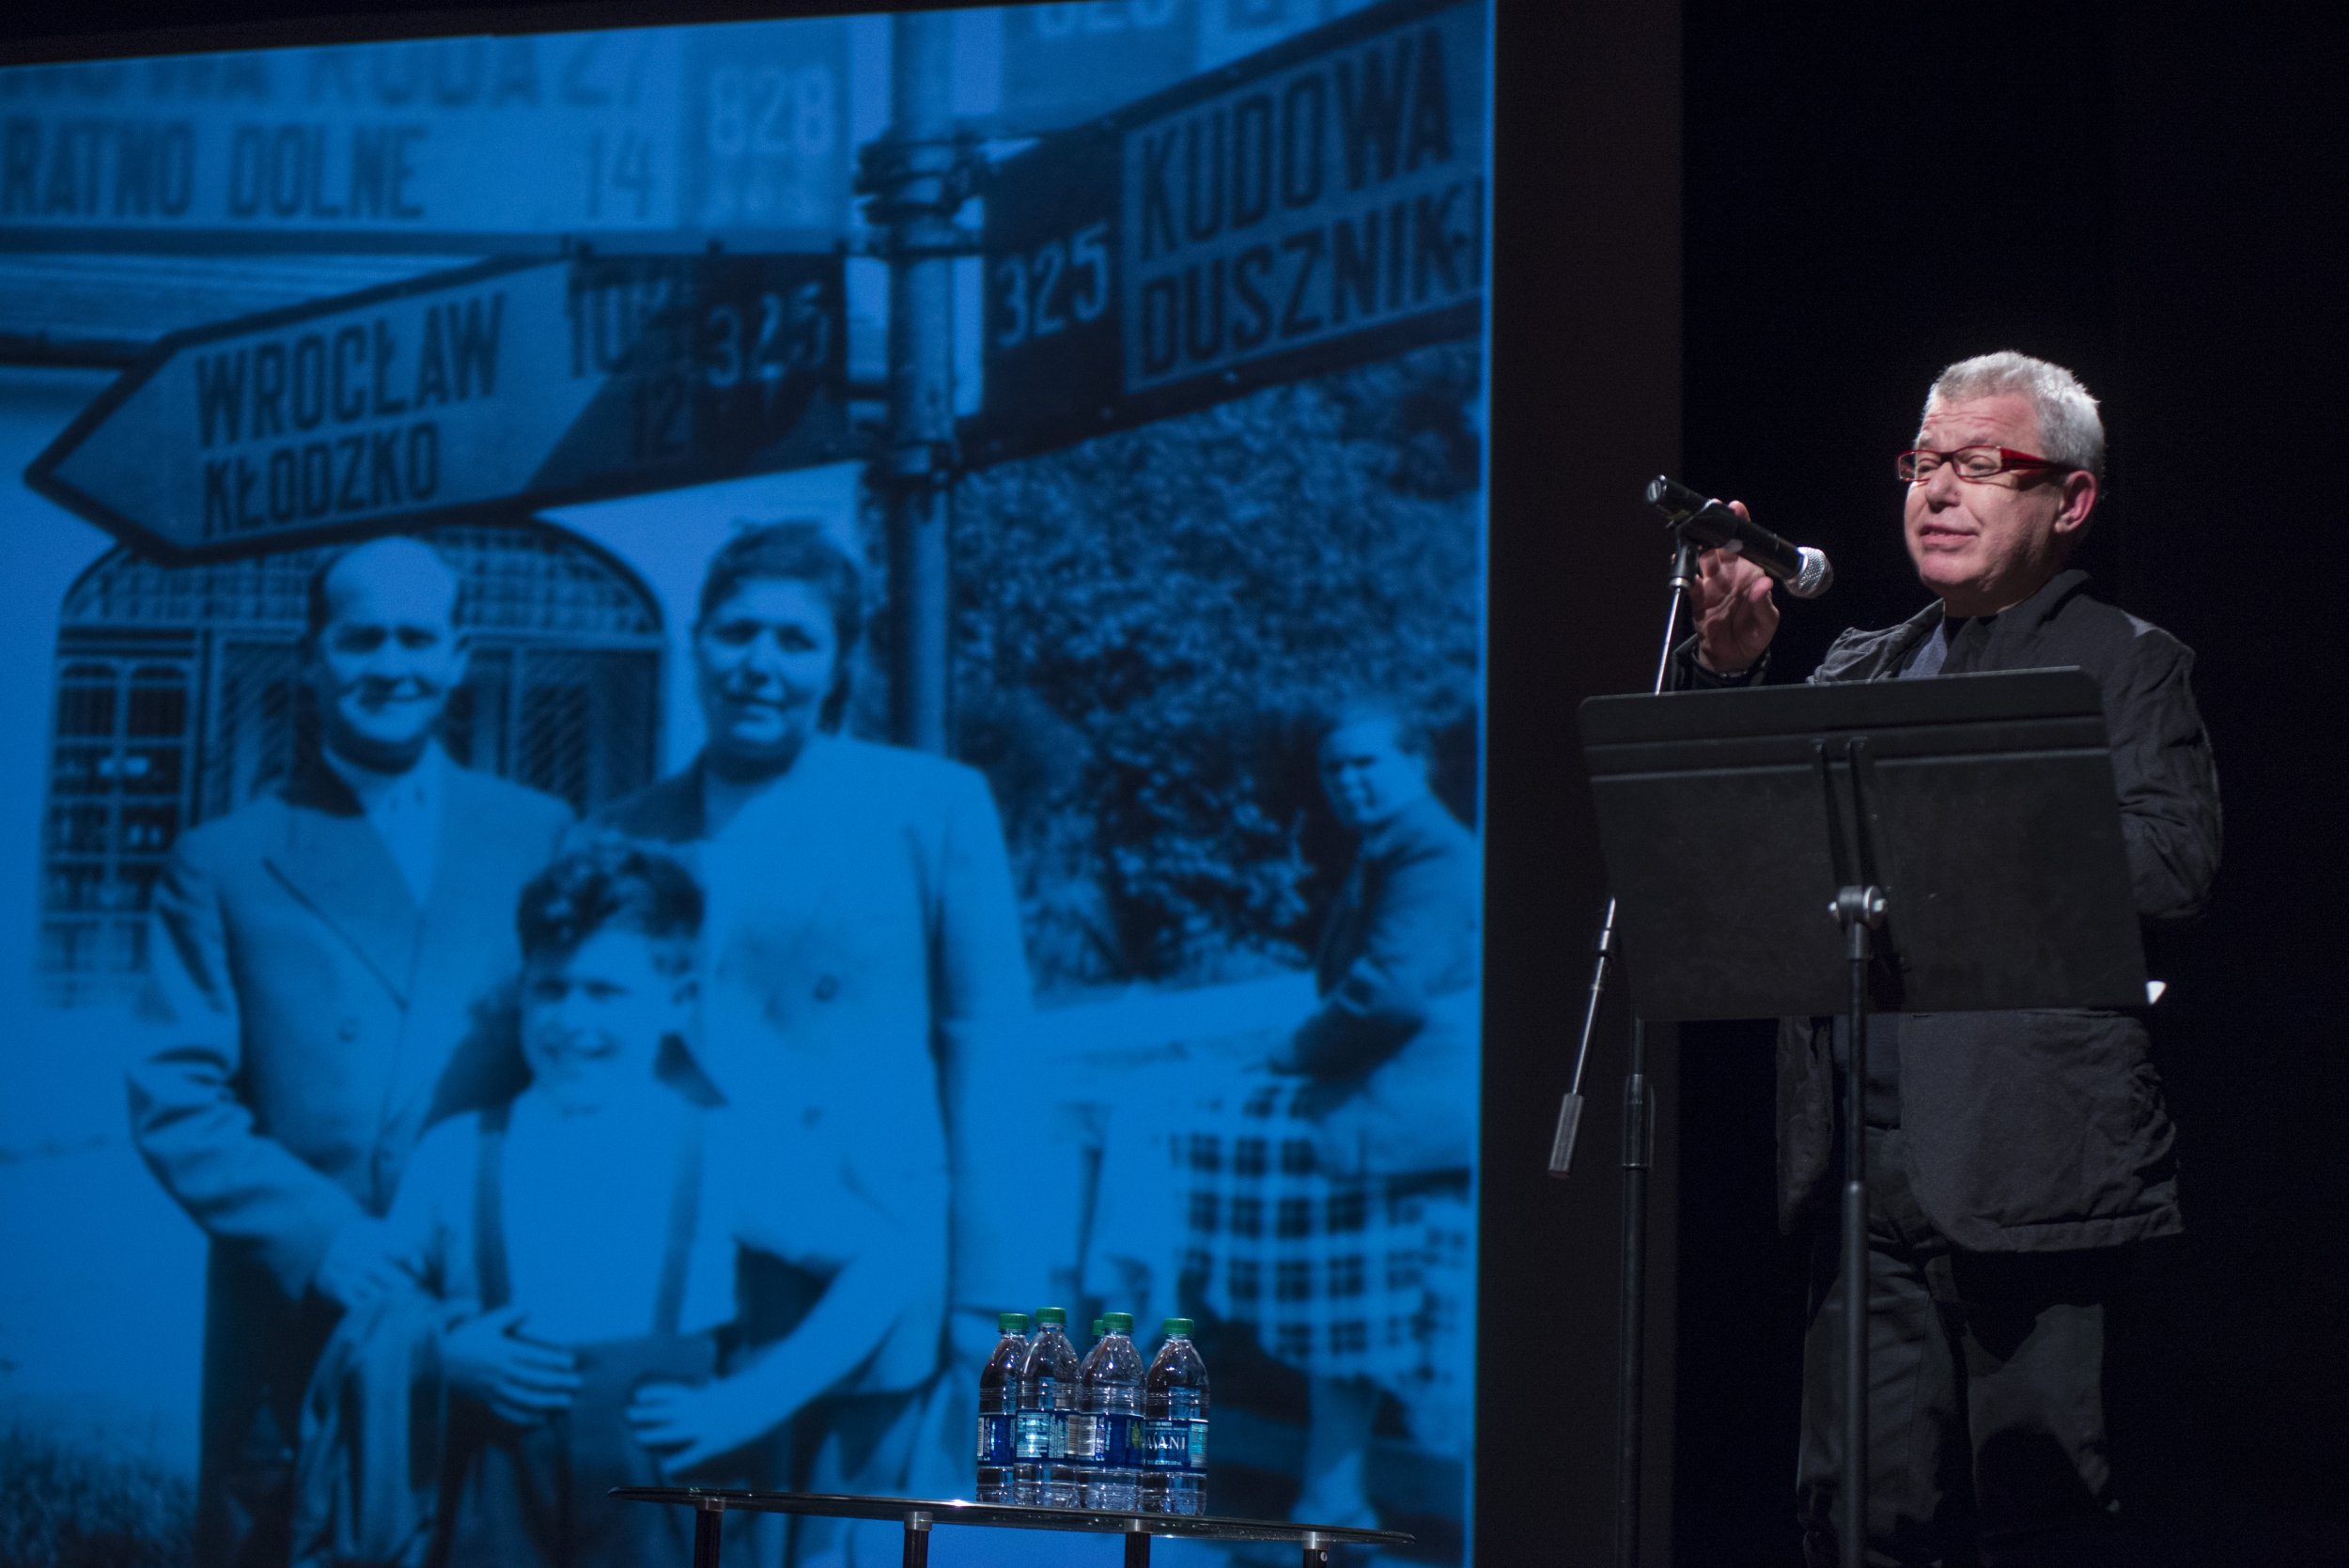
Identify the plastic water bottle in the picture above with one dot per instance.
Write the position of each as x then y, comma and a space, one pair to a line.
1174, 1409
1041, 1473
999, 1409
1106, 1434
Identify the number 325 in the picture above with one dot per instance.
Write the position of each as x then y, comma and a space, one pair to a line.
1040, 291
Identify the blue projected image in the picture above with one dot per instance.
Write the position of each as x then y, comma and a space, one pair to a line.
721, 700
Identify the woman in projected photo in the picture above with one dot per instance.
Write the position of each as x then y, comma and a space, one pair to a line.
864, 951
1332, 1216
589, 1230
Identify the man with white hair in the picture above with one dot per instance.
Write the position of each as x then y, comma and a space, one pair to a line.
318, 959
2012, 1158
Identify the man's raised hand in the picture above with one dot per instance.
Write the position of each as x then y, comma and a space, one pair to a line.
1736, 614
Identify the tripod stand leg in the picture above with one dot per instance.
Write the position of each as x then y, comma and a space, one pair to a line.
1570, 1109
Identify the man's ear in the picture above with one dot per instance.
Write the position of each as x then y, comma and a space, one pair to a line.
2080, 499
461, 656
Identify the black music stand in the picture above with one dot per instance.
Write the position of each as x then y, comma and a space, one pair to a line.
1901, 846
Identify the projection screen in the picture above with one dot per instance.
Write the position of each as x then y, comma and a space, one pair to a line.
698, 704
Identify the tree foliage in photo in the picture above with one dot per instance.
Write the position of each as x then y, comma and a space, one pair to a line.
1147, 624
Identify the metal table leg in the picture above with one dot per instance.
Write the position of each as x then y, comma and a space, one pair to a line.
1316, 1551
1137, 1546
917, 1541
709, 1519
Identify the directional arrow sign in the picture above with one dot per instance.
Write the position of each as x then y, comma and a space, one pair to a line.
504, 385
1314, 206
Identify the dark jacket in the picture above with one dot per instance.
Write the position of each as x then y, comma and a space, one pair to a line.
1392, 1045
309, 1017
1401, 935
2038, 1130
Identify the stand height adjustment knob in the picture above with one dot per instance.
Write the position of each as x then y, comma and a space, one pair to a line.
1863, 904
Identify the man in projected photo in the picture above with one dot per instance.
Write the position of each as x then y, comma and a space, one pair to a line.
2012, 1158
865, 952
317, 956
1332, 1216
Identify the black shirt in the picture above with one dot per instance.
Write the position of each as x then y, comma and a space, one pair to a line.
2162, 772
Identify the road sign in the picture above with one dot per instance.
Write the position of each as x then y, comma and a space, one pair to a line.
1076, 59
1319, 204
1070, 61
450, 143
509, 385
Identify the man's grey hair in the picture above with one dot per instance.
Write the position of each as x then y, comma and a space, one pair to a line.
2070, 430
1412, 736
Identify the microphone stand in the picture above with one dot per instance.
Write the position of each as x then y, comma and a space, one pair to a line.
1639, 1137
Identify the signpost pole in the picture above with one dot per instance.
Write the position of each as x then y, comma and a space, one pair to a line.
916, 178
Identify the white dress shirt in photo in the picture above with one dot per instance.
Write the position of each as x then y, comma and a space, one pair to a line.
404, 809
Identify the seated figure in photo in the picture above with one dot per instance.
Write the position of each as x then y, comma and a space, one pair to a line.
1327, 1198
587, 1236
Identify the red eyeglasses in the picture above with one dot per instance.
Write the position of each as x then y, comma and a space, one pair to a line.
1972, 463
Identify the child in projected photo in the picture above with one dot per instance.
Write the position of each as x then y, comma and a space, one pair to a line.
591, 1224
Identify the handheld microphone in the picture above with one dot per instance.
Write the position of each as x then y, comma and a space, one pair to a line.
1805, 572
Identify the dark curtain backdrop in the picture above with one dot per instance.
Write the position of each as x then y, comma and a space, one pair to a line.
1585, 400
2153, 200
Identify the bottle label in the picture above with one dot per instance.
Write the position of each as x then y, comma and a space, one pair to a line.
1059, 1447
1032, 1437
998, 1445
1130, 1442
1087, 1438
1176, 1444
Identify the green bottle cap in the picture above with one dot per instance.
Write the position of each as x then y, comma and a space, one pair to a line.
1118, 1323
1177, 1327
1047, 1316
1096, 1328
1012, 1323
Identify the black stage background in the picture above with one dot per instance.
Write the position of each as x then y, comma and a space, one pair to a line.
2153, 200
1869, 193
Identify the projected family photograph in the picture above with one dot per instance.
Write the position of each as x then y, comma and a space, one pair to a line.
722, 702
